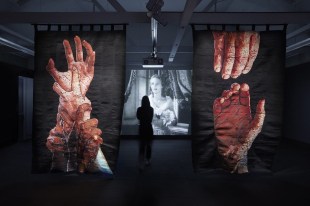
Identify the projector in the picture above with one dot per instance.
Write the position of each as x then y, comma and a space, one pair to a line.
153, 62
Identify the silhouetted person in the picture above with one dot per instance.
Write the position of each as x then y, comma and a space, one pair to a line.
145, 116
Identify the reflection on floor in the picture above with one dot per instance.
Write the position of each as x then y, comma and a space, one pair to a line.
168, 181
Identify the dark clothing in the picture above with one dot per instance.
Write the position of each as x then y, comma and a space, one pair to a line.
145, 115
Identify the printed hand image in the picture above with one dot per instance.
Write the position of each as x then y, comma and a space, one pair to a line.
235, 129
89, 139
235, 52
74, 108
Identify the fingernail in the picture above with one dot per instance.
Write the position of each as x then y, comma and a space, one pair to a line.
234, 76
225, 76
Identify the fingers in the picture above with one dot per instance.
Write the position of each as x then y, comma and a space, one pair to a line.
235, 52
217, 107
62, 78
260, 108
91, 63
52, 70
68, 52
218, 50
64, 115
55, 144
91, 56
75, 81
82, 109
229, 55
90, 123
255, 126
245, 94
259, 117
59, 90
79, 49
253, 51
242, 53
88, 129
237, 95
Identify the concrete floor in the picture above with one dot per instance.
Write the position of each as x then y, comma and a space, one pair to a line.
170, 180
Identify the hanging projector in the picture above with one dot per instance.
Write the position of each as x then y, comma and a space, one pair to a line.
153, 61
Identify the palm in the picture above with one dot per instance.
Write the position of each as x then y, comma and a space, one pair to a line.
85, 67
234, 127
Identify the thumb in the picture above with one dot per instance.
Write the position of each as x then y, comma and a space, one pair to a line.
81, 112
255, 128
258, 121
256, 124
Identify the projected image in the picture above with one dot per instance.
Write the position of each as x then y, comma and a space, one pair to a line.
169, 92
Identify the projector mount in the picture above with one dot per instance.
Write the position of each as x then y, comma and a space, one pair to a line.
154, 37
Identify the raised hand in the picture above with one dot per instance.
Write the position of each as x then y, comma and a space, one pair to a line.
235, 52
71, 86
66, 117
89, 139
235, 129
85, 68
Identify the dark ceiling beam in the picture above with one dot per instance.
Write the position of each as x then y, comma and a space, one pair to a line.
140, 17
117, 6
186, 17
188, 11
98, 5
21, 2
209, 6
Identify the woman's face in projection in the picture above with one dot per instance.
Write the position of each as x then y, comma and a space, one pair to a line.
156, 85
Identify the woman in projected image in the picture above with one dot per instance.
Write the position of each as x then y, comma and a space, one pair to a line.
164, 114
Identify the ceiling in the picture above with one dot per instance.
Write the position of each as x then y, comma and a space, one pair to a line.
16, 31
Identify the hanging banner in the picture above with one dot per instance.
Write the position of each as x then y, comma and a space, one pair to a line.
77, 117
237, 102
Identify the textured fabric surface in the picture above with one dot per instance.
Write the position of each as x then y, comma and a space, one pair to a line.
105, 92
266, 81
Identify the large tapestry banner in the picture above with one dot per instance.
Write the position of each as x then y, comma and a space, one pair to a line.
238, 80
77, 117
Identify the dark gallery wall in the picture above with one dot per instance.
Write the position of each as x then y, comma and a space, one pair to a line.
9, 102
297, 103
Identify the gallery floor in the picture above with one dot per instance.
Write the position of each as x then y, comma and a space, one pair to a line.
168, 181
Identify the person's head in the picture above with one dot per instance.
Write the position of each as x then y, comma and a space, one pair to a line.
145, 102
156, 85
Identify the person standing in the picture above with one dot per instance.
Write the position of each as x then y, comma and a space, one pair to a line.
145, 116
